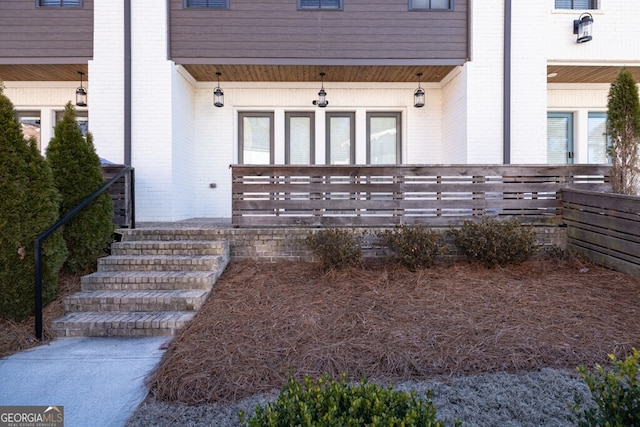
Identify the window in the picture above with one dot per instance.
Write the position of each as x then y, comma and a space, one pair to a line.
30, 124
211, 4
597, 141
82, 119
59, 3
383, 139
299, 138
559, 138
576, 4
340, 135
430, 4
320, 4
255, 138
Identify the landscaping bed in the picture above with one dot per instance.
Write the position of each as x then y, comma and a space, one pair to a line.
265, 322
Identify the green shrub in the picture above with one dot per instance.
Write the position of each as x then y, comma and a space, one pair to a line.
616, 393
76, 169
325, 402
335, 247
413, 246
29, 204
493, 242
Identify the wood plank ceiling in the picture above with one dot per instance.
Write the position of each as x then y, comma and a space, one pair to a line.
305, 73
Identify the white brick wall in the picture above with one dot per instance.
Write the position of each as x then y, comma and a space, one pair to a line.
105, 93
614, 34
484, 84
216, 128
455, 117
528, 85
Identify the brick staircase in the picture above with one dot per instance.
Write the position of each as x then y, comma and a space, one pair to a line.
152, 285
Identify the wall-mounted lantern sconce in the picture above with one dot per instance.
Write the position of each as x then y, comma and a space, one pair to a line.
418, 95
322, 95
81, 93
218, 94
583, 28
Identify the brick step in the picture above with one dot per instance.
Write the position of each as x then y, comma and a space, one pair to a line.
178, 247
140, 324
149, 280
163, 234
160, 263
135, 301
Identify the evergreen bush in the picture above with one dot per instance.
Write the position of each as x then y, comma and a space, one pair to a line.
623, 127
329, 403
495, 243
29, 204
615, 391
76, 169
336, 248
413, 246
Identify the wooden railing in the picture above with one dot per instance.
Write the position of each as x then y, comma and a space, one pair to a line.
605, 227
403, 194
122, 194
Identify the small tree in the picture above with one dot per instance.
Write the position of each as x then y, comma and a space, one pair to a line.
623, 127
29, 204
76, 169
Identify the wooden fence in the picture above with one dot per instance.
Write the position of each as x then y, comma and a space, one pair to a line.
403, 194
605, 227
122, 195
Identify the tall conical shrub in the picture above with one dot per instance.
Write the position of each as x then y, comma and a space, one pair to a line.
76, 170
29, 204
623, 127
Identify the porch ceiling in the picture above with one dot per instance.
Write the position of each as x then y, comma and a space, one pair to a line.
587, 74
42, 72
310, 73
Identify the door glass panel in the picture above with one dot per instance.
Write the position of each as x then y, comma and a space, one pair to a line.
30, 124
597, 140
340, 134
383, 140
256, 140
299, 136
559, 138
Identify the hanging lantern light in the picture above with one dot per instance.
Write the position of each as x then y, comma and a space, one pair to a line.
81, 93
418, 95
218, 94
322, 95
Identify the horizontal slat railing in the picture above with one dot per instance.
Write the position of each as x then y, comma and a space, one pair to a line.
605, 227
279, 195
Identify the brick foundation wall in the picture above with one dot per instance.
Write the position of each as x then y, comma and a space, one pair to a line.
289, 243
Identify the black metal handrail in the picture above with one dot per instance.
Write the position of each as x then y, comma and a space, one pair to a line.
38, 241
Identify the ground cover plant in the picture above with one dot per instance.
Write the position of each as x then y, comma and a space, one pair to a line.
616, 392
267, 322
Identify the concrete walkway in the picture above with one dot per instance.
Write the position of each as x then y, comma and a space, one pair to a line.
99, 381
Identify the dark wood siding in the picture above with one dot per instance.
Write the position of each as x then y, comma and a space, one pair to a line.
274, 31
31, 35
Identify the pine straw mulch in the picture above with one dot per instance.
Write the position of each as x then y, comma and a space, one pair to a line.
265, 322
18, 336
